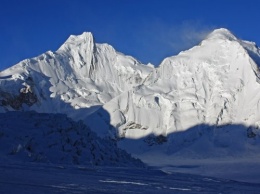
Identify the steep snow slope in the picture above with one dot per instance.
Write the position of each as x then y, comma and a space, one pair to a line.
78, 75
214, 83
54, 138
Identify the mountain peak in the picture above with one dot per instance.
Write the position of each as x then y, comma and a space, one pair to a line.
221, 33
86, 38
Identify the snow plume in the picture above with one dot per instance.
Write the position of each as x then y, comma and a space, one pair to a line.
186, 35
161, 39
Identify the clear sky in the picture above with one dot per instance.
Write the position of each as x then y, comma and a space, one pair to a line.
149, 30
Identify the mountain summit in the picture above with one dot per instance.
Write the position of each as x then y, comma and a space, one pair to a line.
221, 33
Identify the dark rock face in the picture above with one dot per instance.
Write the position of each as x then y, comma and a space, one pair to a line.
252, 132
155, 140
26, 96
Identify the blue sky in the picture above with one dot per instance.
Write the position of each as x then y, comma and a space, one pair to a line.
149, 30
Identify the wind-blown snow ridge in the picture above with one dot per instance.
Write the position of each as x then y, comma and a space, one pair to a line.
221, 33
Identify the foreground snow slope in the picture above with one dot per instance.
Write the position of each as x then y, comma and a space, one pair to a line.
16, 178
54, 138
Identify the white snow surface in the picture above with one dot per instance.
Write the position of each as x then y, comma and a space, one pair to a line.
200, 105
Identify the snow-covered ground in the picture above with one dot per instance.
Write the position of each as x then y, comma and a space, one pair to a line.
35, 178
232, 168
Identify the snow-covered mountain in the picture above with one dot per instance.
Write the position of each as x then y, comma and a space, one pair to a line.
215, 83
80, 74
207, 96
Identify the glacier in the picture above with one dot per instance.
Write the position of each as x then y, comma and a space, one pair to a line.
198, 107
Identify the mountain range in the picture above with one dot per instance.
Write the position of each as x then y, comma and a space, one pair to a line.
202, 103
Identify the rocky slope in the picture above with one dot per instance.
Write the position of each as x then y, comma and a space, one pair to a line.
54, 138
